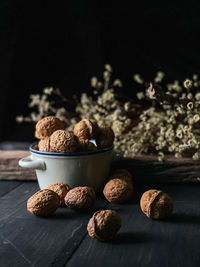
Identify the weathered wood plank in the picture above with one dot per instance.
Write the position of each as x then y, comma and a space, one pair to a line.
41, 241
144, 242
27, 240
149, 170
6, 260
10, 169
144, 168
14, 145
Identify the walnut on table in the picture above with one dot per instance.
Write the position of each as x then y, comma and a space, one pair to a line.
122, 174
156, 204
43, 203
118, 191
80, 198
104, 225
61, 189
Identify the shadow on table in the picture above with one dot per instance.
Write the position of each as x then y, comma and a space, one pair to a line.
66, 214
184, 218
131, 238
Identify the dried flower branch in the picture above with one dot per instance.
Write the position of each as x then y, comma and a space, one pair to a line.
45, 104
170, 127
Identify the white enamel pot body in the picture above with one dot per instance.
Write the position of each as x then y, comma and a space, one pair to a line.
76, 169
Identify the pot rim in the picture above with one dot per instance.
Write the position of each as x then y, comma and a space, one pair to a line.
73, 154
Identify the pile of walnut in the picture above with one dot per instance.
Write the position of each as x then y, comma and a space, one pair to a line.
54, 138
104, 224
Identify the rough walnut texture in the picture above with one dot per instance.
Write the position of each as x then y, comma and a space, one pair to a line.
80, 198
122, 174
86, 145
104, 225
105, 137
61, 189
36, 147
86, 129
46, 126
118, 191
156, 204
44, 145
43, 203
63, 142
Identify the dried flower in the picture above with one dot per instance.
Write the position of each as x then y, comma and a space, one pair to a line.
94, 82
48, 90
19, 119
169, 126
117, 82
108, 67
159, 77
188, 84
138, 79
190, 105
196, 117
106, 74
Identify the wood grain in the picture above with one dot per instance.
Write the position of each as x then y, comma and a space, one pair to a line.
7, 186
148, 169
144, 242
10, 169
144, 168
27, 240
62, 240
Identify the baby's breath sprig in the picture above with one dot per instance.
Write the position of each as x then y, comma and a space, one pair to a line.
45, 104
172, 127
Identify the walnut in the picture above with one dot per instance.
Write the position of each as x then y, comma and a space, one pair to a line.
44, 145
86, 129
46, 126
63, 141
118, 191
80, 198
61, 189
86, 145
105, 137
43, 203
36, 147
122, 174
104, 225
156, 204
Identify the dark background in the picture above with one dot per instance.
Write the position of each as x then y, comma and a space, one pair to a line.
64, 43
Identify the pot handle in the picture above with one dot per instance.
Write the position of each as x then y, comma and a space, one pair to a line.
29, 162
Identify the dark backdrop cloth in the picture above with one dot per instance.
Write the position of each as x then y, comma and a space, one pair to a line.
64, 43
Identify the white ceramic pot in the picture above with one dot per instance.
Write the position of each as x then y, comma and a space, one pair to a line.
76, 169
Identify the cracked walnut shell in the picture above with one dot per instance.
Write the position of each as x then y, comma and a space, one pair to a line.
46, 126
118, 191
63, 141
156, 204
80, 198
43, 203
105, 137
104, 225
86, 129
61, 189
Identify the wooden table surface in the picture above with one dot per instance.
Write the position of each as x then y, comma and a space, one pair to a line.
62, 240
